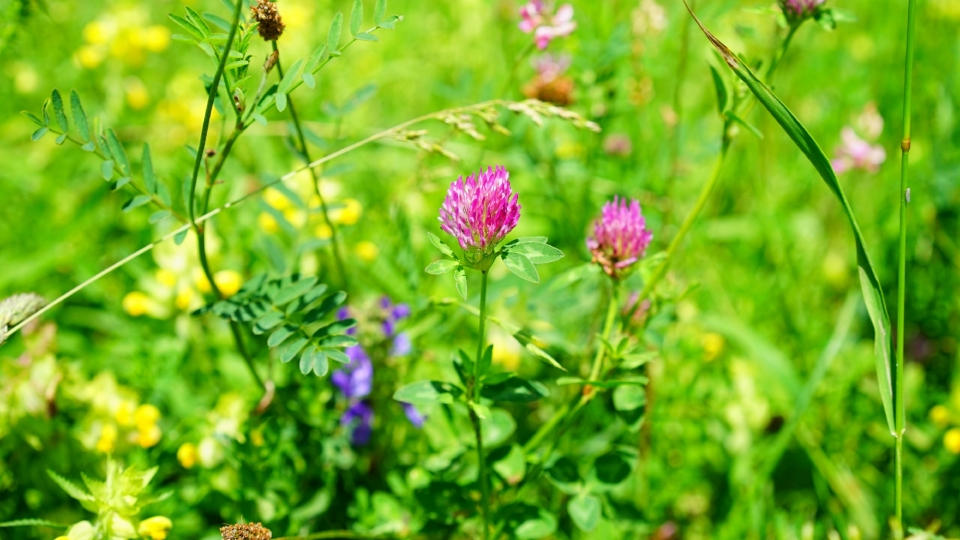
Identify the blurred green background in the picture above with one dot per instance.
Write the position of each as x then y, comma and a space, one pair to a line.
760, 283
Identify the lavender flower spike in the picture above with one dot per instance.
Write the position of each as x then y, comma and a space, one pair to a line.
620, 237
481, 210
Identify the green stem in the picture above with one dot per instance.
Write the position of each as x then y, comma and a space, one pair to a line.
899, 408
334, 242
477, 386
781, 52
516, 65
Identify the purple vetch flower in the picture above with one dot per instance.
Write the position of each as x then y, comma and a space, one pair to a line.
800, 10
481, 210
856, 153
620, 236
356, 379
538, 18
360, 416
413, 415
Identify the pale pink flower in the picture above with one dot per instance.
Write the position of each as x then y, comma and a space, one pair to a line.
550, 66
856, 153
537, 18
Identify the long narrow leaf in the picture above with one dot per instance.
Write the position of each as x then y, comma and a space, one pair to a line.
869, 283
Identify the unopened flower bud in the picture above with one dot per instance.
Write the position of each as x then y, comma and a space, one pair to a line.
797, 11
271, 61
271, 24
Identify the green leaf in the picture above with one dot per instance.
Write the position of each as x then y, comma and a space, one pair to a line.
79, 116
58, 111
106, 170
537, 253
329, 304
291, 349
338, 341
38, 134
120, 183
268, 322
356, 17
180, 236
389, 22
159, 216
442, 267
485, 361
314, 360
635, 381
611, 468
187, 25
521, 266
72, 489
294, 291
379, 10
439, 244
313, 63
290, 77
750, 127
366, 36
333, 36
337, 356
629, 397
89, 146
219, 21
309, 80
61, 138
149, 178
869, 282
515, 390
198, 21
563, 473
136, 202
720, 85
33, 118
460, 278
164, 193
584, 510
116, 149
428, 392
280, 335
281, 100
335, 328
512, 466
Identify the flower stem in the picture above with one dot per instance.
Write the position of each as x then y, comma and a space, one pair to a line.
477, 386
899, 410
516, 65
781, 52
334, 243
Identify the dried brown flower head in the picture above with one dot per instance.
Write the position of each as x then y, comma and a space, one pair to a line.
245, 531
271, 24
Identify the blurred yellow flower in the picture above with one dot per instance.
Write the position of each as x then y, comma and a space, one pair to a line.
166, 277
940, 416
89, 57
569, 150
136, 92
256, 438
367, 250
155, 528
184, 297
295, 216
124, 413
62, 538
149, 436
108, 438
348, 214
712, 343
98, 32
187, 455
228, 281
146, 415
155, 38
323, 231
136, 303
275, 198
952, 441
267, 223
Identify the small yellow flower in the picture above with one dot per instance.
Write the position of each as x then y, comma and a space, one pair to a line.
108, 439
155, 38
187, 455
184, 297
98, 32
276, 198
712, 343
349, 214
295, 217
146, 415
155, 528
256, 438
149, 436
952, 441
323, 231
89, 57
136, 92
228, 281
367, 250
940, 416
136, 303
267, 223
124, 413
166, 277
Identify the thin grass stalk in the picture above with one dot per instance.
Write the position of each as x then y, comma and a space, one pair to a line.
899, 408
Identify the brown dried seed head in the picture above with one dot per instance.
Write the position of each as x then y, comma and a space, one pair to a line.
245, 531
271, 24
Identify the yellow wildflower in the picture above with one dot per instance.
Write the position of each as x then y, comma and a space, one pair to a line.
136, 303
348, 214
323, 231
940, 416
295, 216
952, 441
267, 223
98, 32
108, 439
124, 413
146, 415
149, 436
712, 343
367, 250
228, 281
155, 528
89, 57
275, 198
184, 297
136, 92
187, 455
256, 438
166, 277
155, 38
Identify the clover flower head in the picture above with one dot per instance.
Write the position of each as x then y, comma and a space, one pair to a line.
271, 24
481, 210
620, 237
537, 17
800, 10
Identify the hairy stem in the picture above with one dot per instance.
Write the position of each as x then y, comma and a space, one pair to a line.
334, 242
899, 408
477, 386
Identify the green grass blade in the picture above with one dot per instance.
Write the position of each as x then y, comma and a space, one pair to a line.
869, 283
